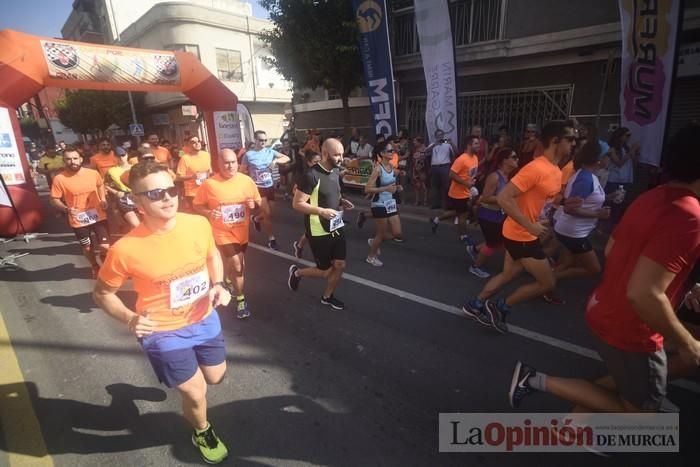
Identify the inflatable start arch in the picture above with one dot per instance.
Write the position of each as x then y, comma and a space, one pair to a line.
30, 63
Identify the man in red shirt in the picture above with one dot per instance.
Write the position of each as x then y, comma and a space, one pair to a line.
649, 259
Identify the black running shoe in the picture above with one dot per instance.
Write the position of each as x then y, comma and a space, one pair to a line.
474, 309
293, 281
361, 219
333, 302
272, 244
497, 311
433, 225
519, 386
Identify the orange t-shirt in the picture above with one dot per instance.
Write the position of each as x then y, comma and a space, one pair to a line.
466, 167
199, 165
395, 161
567, 172
540, 182
104, 162
230, 196
80, 190
162, 154
169, 271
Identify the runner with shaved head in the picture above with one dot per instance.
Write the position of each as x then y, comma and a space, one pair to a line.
319, 198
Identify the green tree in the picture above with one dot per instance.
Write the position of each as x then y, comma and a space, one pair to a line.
87, 111
314, 44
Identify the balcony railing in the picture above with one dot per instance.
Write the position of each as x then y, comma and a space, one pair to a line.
473, 21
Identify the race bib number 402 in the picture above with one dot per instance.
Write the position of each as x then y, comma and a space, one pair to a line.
187, 290
88, 217
232, 213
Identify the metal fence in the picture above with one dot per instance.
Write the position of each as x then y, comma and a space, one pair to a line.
514, 108
472, 21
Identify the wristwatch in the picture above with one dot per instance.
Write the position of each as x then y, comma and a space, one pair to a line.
221, 283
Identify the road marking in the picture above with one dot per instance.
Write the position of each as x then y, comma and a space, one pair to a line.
526, 333
23, 438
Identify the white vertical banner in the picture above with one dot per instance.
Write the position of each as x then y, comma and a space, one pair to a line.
436, 49
649, 30
227, 129
10, 160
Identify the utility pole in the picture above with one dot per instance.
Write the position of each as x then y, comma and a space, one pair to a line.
131, 98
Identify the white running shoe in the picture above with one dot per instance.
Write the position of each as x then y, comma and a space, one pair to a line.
478, 272
374, 261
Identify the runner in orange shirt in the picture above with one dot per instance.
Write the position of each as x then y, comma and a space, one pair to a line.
105, 159
227, 199
79, 192
462, 178
161, 153
528, 194
178, 276
194, 167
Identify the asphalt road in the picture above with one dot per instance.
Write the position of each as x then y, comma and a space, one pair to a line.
306, 385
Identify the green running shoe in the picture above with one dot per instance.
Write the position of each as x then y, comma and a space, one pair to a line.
211, 448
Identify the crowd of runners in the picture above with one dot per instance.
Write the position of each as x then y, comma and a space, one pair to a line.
185, 221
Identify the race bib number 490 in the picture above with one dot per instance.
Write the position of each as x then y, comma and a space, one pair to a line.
232, 213
187, 290
88, 217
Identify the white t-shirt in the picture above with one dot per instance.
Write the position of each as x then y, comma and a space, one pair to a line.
364, 152
583, 184
441, 154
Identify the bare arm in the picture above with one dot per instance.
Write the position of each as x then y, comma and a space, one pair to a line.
59, 204
454, 176
301, 204
646, 292
280, 158
609, 246
371, 186
506, 199
489, 194
615, 158
106, 298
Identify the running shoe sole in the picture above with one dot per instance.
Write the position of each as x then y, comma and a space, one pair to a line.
297, 251
492, 316
514, 382
335, 307
482, 275
475, 315
292, 269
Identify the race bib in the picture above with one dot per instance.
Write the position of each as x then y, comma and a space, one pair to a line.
263, 178
337, 222
187, 290
232, 213
88, 217
201, 176
390, 206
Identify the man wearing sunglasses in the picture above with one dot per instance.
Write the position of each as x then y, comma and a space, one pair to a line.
193, 168
226, 199
258, 164
525, 200
178, 276
79, 192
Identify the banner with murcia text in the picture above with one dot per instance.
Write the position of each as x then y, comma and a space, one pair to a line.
375, 51
649, 31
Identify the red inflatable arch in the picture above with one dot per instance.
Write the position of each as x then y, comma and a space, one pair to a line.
30, 63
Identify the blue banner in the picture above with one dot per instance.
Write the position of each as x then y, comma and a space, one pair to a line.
375, 51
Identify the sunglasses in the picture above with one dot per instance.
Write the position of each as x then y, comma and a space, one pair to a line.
570, 139
159, 193
262, 140
514, 157
195, 141
388, 150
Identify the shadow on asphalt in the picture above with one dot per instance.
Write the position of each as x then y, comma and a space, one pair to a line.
64, 272
84, 303
258, 427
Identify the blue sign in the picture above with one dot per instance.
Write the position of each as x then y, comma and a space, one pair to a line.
136, 129
375, 51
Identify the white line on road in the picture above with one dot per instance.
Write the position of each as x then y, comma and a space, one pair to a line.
526, 333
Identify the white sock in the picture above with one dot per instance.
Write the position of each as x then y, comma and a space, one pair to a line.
538, 381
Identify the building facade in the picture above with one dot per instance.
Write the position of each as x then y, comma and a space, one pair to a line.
519, 62
223, 34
